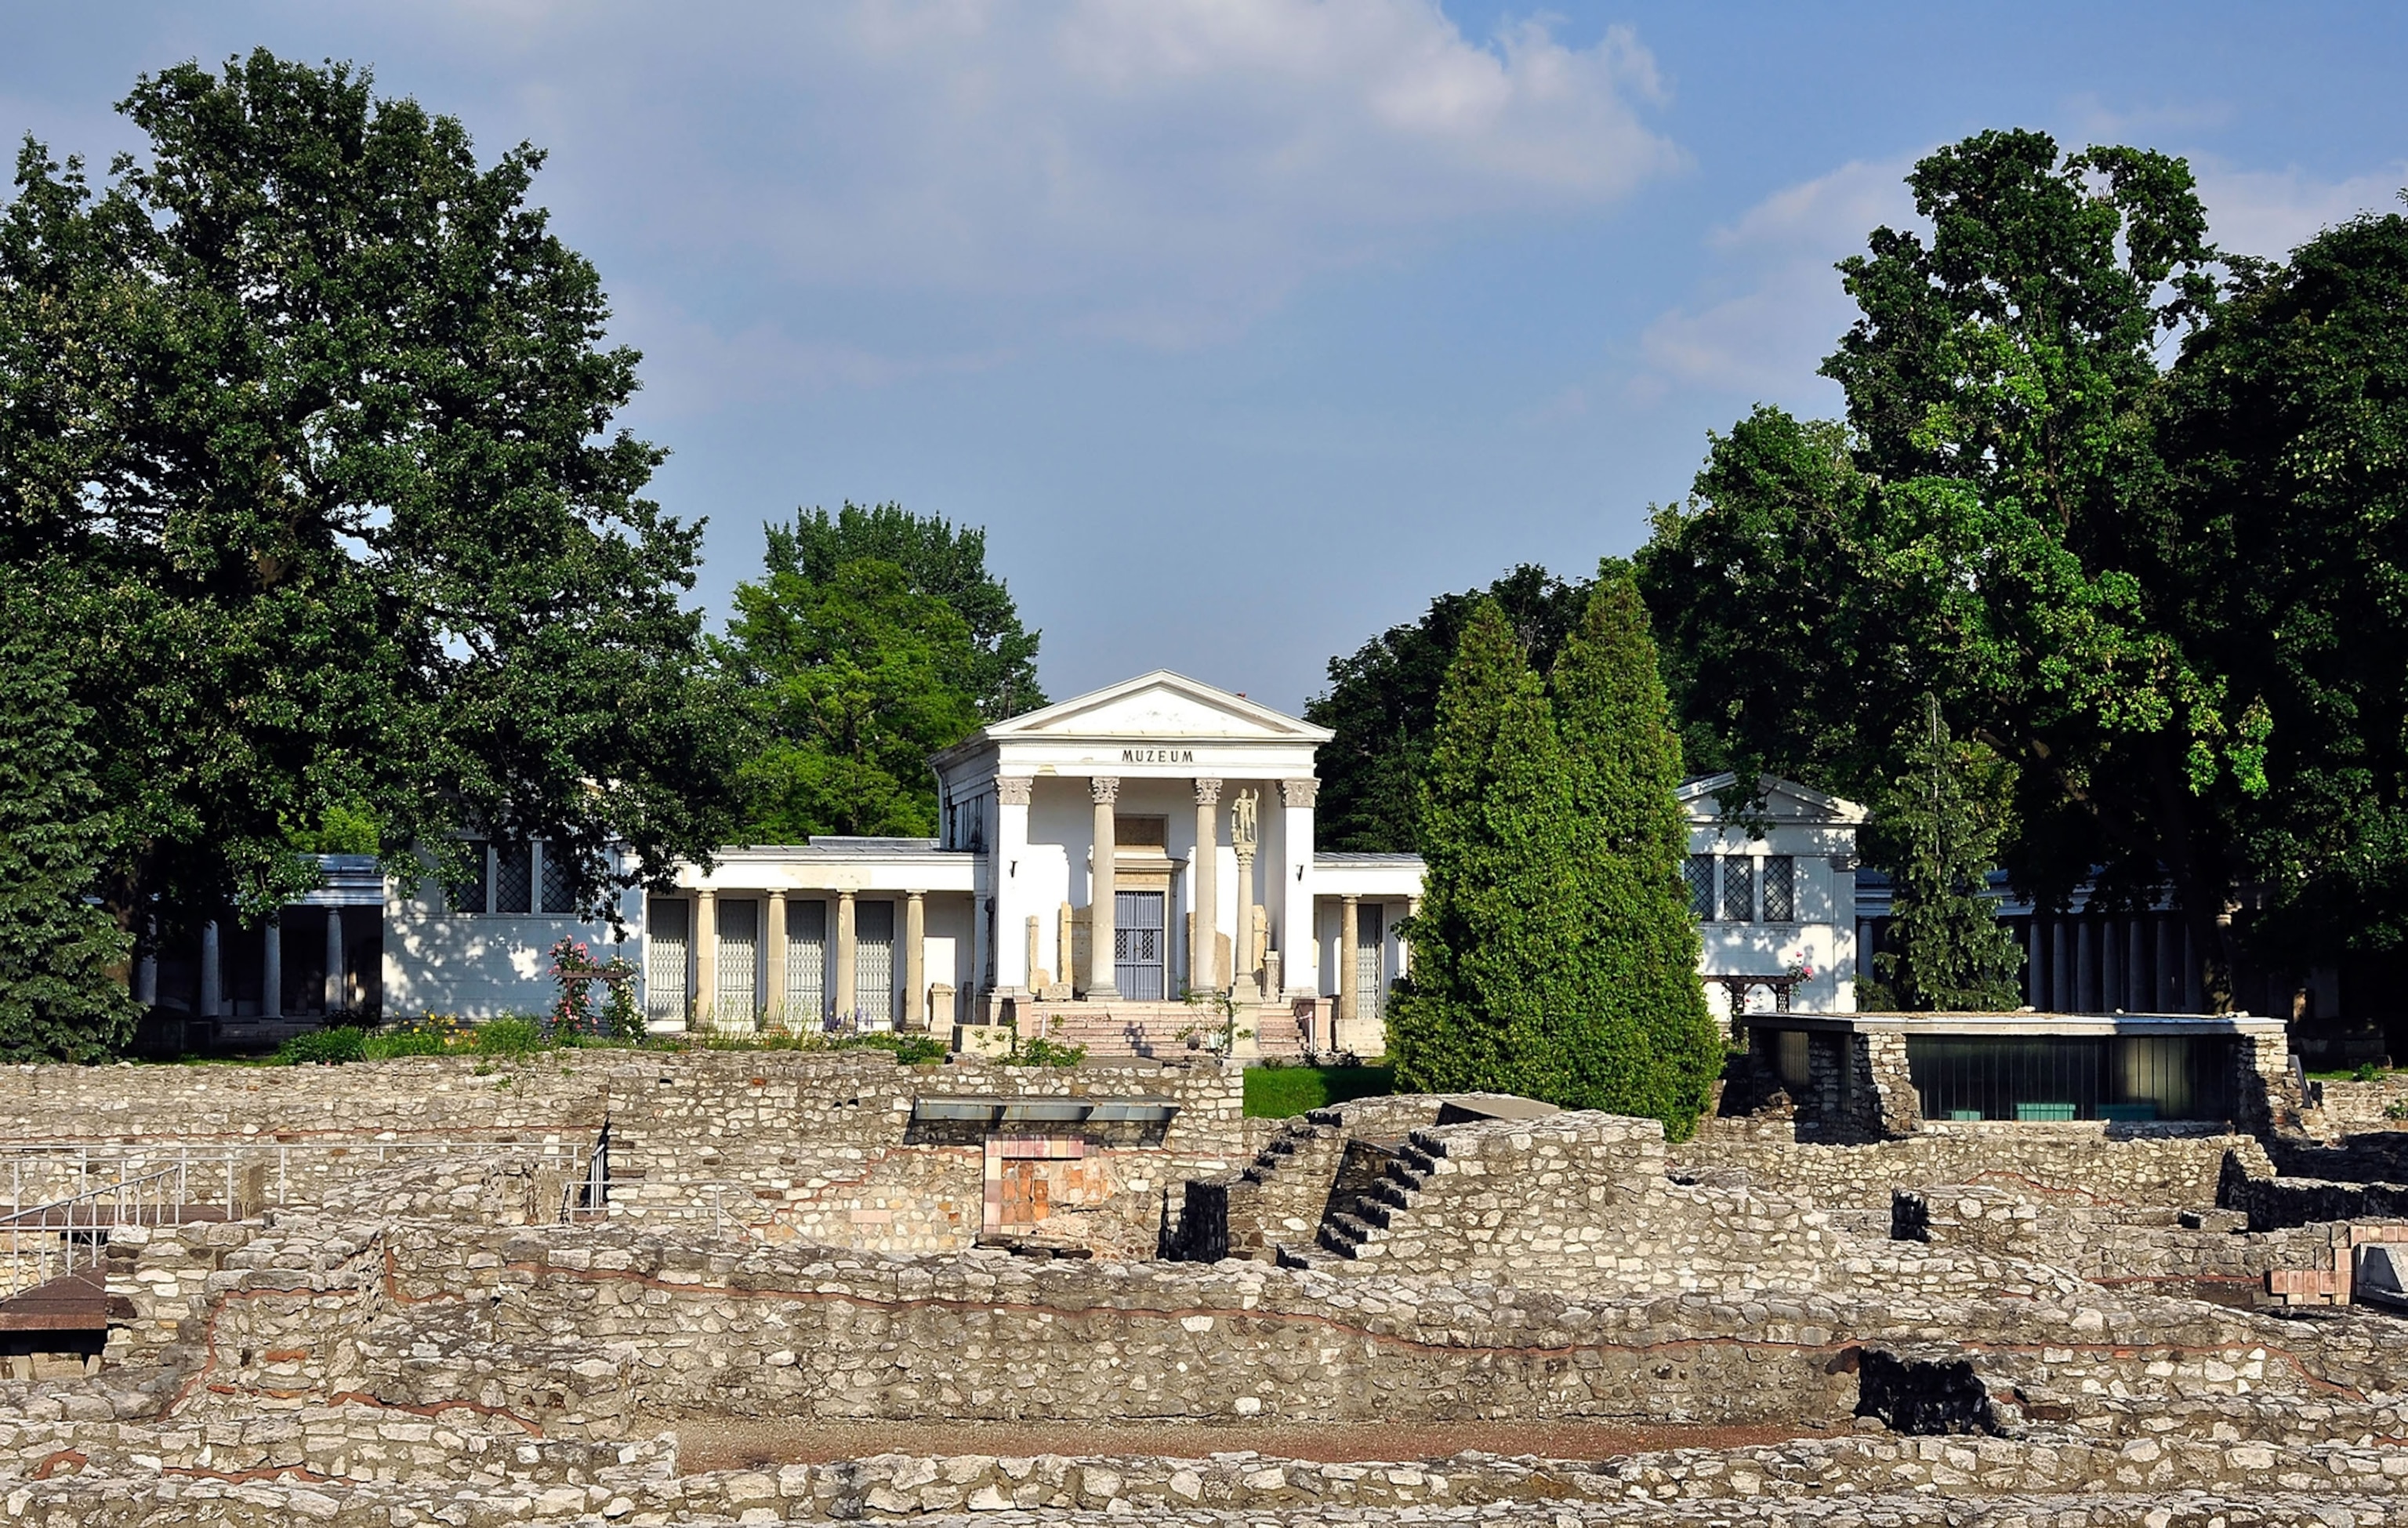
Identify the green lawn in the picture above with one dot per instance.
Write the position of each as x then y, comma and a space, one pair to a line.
1278, 1093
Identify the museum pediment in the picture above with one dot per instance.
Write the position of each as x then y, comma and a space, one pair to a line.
1162, 705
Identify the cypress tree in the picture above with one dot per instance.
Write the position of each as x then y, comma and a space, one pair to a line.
1948, 949
1637, 1038
1498, 913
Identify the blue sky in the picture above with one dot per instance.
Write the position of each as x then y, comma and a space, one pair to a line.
1247, 326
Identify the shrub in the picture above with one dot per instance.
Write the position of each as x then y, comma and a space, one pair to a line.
1044, 1052
910, 1049
324, 1047
384, 1045
510, 1037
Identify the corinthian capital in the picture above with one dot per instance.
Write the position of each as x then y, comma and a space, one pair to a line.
1299, 793
1011, 789
1104, 789
1208, 791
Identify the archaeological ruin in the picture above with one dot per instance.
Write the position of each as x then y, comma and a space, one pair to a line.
616, 1286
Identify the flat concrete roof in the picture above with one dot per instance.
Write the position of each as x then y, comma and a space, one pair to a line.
2023, 1023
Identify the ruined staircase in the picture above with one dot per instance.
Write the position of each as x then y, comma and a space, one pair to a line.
1359, 1230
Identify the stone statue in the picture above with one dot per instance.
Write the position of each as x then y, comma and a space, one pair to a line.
1241, 821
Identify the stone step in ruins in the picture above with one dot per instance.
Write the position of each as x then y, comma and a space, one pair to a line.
429, 1292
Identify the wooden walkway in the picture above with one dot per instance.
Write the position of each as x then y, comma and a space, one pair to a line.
77, 1303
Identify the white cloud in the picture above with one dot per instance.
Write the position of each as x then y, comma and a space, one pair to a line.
2272, 212
1160, 170
1772, 306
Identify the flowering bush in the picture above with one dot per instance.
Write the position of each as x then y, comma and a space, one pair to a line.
575, 973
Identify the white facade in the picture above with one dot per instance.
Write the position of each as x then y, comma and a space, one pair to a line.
1775, 899
1113, 854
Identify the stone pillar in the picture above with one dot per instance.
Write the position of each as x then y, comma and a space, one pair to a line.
915, 960
2086, 978
335, 993
1404, 942
773, 980
2036, 963
2167, 1000
1350, 995
847, 977
1103, 790
145, 981
706, 958
2060, 968
1205, 921
271, 968
2136, 970
1011, 971
212, 986
1294, 922
2190, 998
2111, 965
1243, 836
1035, 952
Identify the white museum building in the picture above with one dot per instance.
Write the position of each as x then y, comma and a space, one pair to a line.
1097, 861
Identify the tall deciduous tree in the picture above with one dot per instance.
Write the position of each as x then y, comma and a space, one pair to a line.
62, 956
1642, 1040
1383, 704
853, 682
940, 560
1937, 832
1970, 535
316, 408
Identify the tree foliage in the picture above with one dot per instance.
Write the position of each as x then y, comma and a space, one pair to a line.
1382, 702
316, 411
62, 956
1937, 829
874, 638
1553, 955
939, 560
1979, 531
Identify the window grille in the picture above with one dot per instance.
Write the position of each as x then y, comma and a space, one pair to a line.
1138, 946
740, 934
559, 881
873, 963
1738, 889
805, 964
470, 897
1371, 950
1780, 889
665, 960
513, 877
1701, 873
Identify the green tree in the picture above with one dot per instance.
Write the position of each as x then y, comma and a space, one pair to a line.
2277, 547
1499, 910
1971, 533
1382, 703
1937, 834
853, 682
63, 958
317, 411
1639, 1039
942, 561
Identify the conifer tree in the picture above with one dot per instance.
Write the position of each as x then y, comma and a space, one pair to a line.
1498, 913
1949, 950
1637, 1039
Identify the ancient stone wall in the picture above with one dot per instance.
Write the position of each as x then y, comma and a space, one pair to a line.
2160, 1165
2363, 1105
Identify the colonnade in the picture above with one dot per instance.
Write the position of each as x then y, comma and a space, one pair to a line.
842, 965
210, 1001
2099, 961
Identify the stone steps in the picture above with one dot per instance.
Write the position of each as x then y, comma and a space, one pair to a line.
1357, 1234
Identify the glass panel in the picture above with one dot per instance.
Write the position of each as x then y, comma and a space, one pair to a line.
665, 960
873, 964
471, 897
1738, 889
740, 952
559, 881
1700, 871
805, 964
1371, 947
1138, 946
513, 877
1780, 889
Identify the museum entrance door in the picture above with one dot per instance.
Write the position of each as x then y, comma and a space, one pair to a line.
1138, 946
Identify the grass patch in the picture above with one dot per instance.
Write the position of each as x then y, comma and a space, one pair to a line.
1277, 1092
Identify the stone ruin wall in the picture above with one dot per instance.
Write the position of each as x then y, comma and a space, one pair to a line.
784, 1145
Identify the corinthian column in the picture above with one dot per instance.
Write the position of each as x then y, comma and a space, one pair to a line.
1106, 791
1204, 921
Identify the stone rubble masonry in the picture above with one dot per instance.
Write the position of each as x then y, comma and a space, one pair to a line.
2363, 1105
788, 1145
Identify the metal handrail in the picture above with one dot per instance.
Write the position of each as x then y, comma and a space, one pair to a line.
106, 1207
227, 1154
